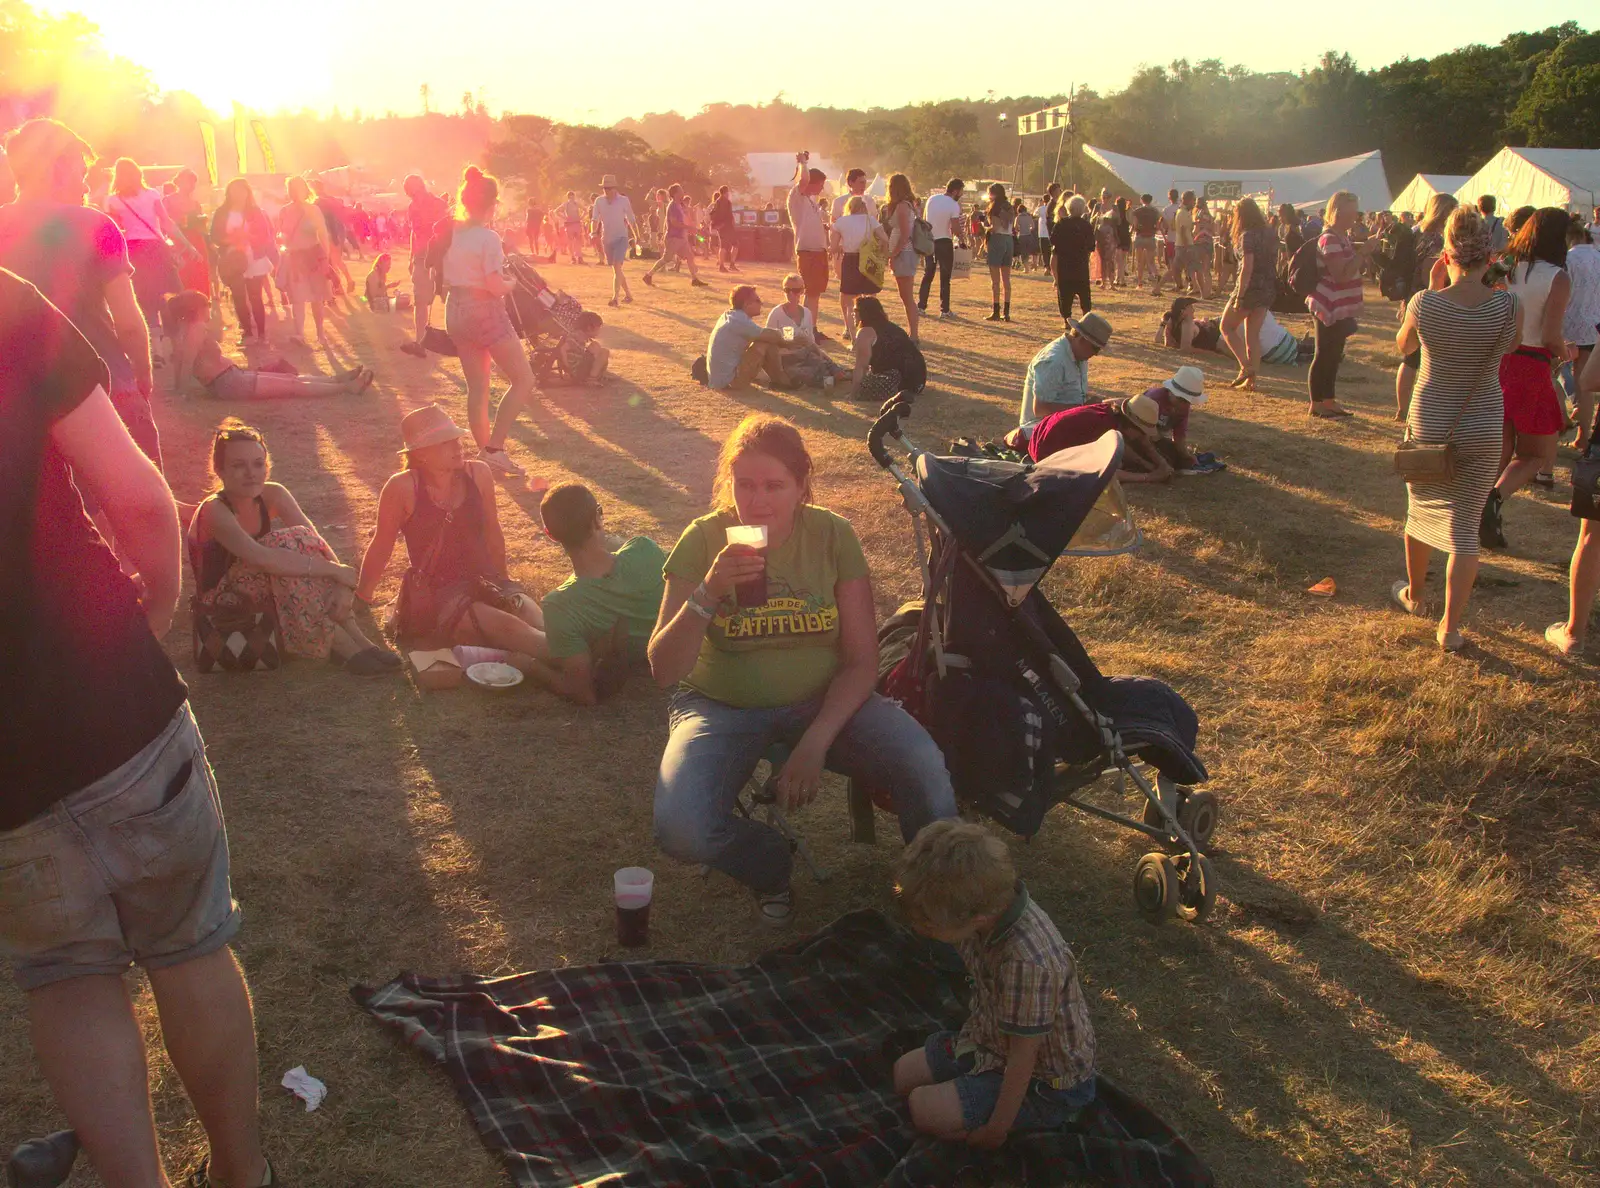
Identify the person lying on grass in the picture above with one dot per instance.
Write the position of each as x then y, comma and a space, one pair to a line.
597, 623
198, 354
1174, 399
250, 542
1024, 1059
1137, 418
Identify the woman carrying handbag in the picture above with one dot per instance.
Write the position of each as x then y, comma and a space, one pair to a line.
1451, 452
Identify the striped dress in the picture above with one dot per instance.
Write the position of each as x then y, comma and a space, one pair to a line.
1461, 350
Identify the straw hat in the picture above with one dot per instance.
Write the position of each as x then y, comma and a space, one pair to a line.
1188, 382
423, 427
608, 182
1142, 410
1093, 327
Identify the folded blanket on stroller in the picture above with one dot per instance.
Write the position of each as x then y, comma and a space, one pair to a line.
775, 1073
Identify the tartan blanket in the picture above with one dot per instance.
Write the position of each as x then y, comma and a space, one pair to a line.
773, 1073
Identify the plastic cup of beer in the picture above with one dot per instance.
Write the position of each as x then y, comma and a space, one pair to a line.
753, 592
633, 887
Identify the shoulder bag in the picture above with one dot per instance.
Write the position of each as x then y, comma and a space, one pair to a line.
1416, 462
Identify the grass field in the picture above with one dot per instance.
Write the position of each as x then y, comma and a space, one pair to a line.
1398, 986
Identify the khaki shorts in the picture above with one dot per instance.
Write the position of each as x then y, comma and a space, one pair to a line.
131, 869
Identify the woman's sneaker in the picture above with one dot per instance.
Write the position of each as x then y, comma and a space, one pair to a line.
777, 908
500, 461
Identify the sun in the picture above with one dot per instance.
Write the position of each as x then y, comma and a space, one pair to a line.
183, 46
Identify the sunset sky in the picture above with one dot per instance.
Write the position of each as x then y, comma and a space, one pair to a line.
597, 64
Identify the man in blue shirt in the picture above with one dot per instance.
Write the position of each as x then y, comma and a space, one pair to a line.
1058, 375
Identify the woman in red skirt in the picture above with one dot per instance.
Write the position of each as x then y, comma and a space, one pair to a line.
1535, 416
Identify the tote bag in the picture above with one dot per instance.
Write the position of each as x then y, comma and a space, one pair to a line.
873, 259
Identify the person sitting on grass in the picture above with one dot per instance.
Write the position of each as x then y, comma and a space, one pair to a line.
1058, 375
455, 590
1137, 418
593, 364
597, 623
250, 542
1185, 390
739, 348
200, 355
1025, 1058
803, 360
887, 362
378, 284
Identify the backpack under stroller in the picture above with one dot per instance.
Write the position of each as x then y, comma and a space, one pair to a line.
1023, 715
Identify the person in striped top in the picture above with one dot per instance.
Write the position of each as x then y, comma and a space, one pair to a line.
1335, 303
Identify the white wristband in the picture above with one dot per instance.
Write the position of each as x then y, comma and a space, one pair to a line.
707, 609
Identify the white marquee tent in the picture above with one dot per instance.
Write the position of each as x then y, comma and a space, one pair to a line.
1516, 177
1414, 197
1362, 174
773, 173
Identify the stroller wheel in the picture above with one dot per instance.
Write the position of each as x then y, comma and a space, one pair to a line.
1198, 813
1197, 893
1156, 888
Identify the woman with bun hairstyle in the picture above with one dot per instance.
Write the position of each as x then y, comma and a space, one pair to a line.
475, 315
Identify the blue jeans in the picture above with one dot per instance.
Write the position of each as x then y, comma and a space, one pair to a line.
713, 748
1044, 1108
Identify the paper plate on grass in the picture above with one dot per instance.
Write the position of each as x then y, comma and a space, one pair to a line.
494, 675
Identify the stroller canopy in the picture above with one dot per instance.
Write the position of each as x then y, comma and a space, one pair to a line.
1016, 519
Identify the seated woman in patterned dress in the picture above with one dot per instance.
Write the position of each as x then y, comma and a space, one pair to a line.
250, 541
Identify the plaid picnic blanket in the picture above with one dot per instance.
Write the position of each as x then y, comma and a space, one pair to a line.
773, 1073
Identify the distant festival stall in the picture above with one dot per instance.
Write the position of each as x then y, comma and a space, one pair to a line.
1297, 184
1568, 178
1414, 198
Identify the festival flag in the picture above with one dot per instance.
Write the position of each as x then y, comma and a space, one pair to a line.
240, 136
208, 137
267, 157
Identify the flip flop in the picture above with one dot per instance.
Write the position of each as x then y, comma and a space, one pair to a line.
1400, 595
1330, 413
367, 377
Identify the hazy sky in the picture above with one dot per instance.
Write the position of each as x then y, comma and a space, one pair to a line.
596, 63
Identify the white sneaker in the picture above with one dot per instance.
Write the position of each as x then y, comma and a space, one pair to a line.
499, 460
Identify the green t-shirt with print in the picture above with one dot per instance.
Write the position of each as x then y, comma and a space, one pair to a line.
787, 650
582, 610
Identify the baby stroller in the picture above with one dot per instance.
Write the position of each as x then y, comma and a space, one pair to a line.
546, 318
1024, 717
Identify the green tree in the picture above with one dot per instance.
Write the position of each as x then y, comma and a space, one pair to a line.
942, 140
873, 144
1561, 105
719, 158
522, 151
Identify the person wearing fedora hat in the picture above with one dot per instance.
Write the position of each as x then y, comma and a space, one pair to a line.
455, 590
1174, 399
1137, 418
1058, 375
613, 216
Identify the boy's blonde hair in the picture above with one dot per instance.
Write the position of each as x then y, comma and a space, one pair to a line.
952, 873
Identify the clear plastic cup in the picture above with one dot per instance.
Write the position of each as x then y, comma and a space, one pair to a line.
754, 536
633, 887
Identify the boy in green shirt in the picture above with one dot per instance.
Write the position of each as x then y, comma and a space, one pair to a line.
598, 621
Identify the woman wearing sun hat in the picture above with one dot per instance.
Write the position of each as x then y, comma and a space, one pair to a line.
443, 503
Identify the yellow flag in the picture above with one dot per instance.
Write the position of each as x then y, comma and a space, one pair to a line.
267, 157
239, 137
208, 138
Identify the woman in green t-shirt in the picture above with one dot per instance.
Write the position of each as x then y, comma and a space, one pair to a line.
798, 669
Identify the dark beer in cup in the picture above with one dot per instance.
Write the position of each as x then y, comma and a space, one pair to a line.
633, 924
753, 592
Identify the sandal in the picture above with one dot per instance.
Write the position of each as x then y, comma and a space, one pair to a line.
776, 909
1557, 637
1451, 641
367, 376
202, 1175
1329, 409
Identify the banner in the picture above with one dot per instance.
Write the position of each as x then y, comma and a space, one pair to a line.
239, 137
267, 158
208, 138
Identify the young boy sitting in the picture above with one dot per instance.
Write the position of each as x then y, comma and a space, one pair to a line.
379, 284
597, 623
1025, 1059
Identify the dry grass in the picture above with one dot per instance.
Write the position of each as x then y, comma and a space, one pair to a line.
1398, 988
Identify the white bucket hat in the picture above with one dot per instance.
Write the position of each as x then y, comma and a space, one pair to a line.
1189, 382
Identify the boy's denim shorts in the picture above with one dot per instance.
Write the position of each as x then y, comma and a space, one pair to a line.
1044, 1108
131, 869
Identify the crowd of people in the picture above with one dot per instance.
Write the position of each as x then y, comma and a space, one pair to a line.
107, 785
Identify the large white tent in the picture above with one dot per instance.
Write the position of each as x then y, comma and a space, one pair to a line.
1568, 178
1414, 197
1362, 175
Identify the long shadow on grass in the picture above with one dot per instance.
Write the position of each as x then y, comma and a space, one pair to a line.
624, 413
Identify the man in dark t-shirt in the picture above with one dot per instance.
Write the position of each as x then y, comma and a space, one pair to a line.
426, 211
79, 260
112, 849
